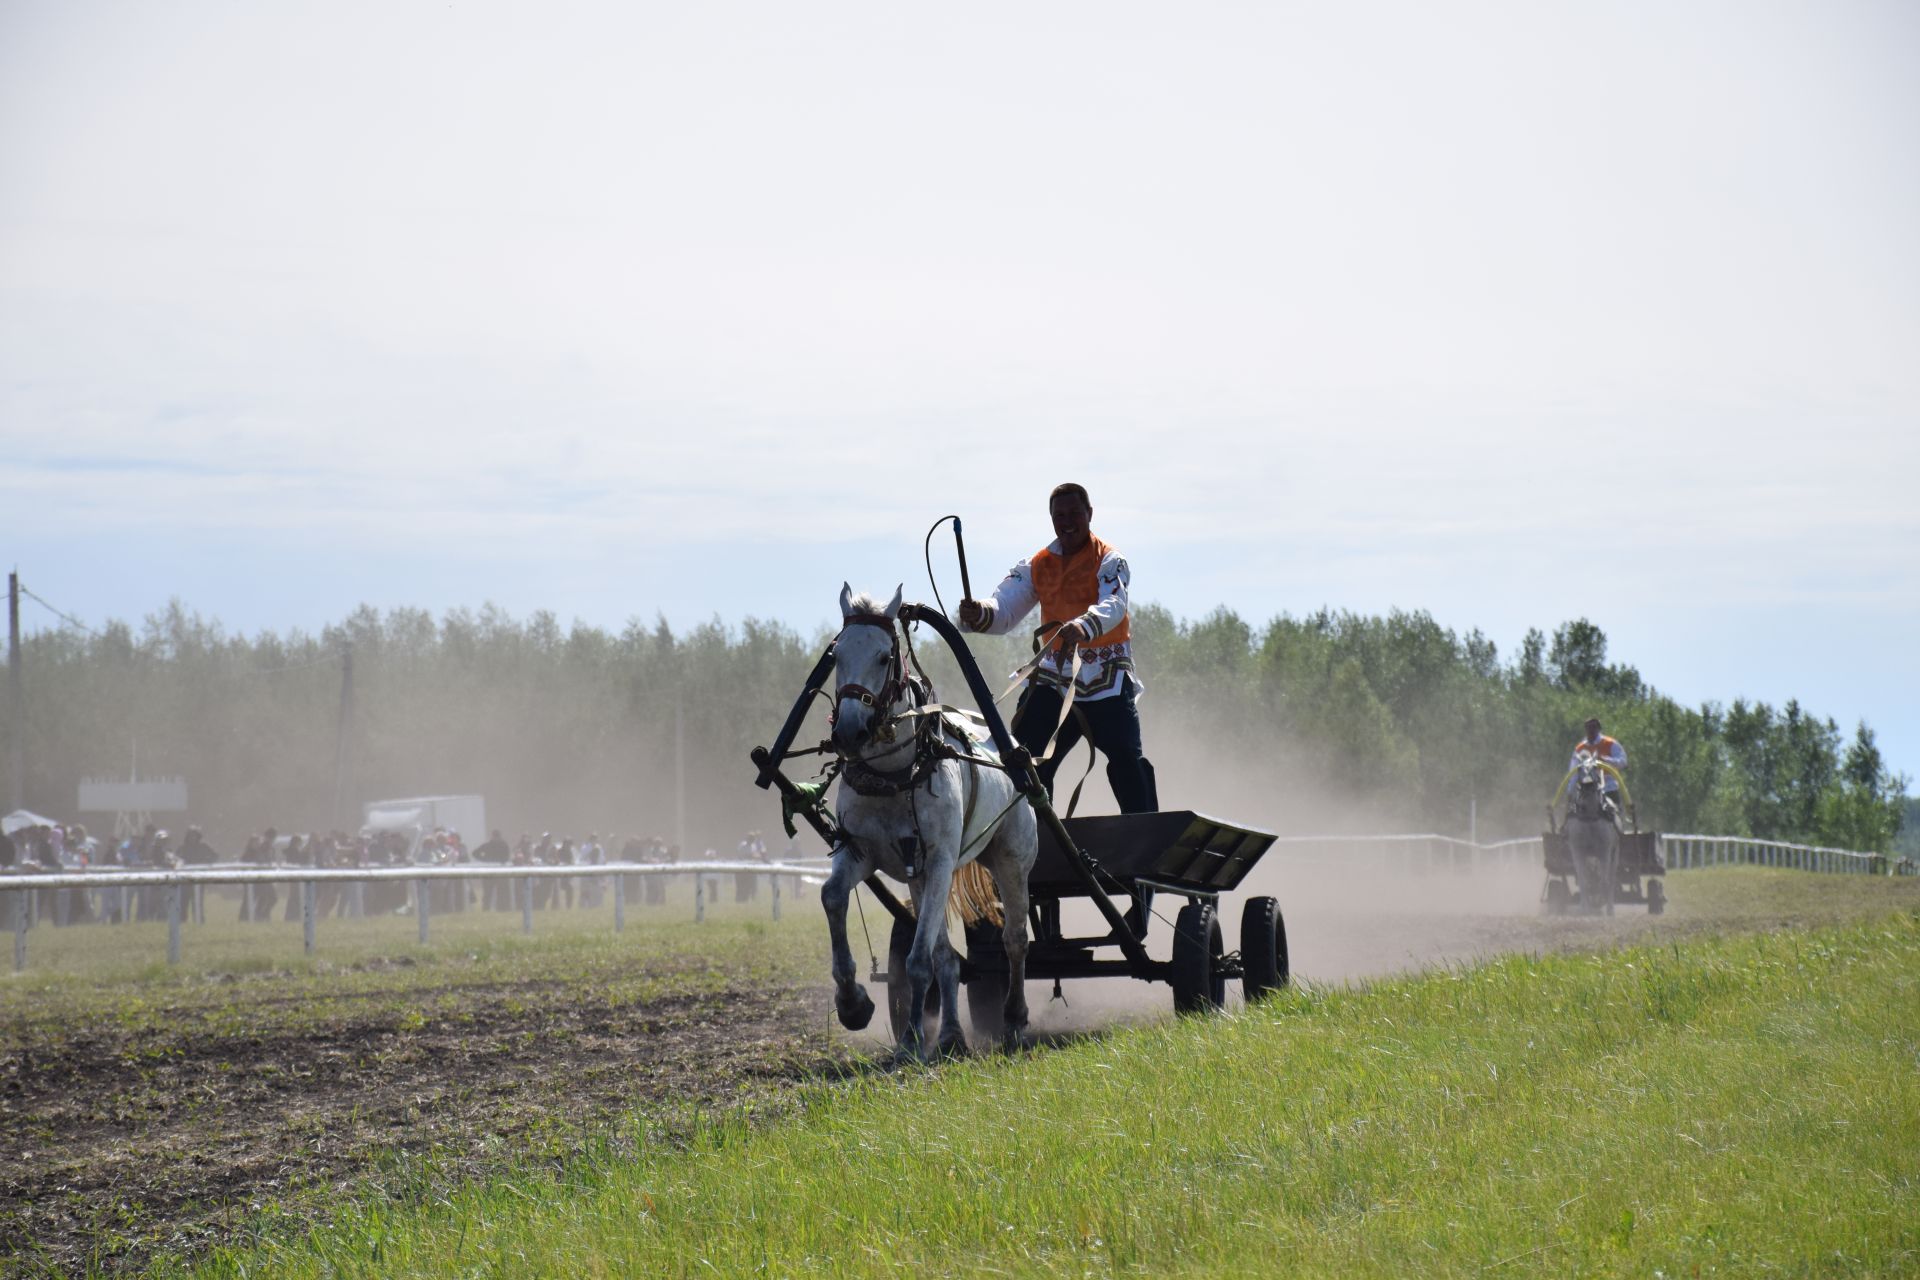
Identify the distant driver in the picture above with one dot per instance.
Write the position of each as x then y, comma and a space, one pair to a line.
1605, 750
1080, 584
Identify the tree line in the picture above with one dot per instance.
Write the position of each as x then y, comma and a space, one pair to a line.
584, 728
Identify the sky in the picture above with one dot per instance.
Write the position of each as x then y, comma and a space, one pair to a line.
1513, 313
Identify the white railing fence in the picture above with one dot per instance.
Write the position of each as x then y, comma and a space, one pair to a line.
1680, 851
1420, 854
70, 897
33, 898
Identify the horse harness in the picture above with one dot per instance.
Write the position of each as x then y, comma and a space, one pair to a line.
931, 726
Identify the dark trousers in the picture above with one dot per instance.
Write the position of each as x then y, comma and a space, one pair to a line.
1112, 723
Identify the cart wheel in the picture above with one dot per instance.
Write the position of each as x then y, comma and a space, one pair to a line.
1263, 948
899, 990
1198, 985
1558, 898
987, 988
1656, 898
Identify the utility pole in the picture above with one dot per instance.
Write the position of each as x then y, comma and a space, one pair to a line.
680, 773
17, 716
343, 737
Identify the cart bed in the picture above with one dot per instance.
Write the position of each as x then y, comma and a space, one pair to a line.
1639, 853
1180, 850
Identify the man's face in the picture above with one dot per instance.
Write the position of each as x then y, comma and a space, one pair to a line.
1071, 517
1593, 733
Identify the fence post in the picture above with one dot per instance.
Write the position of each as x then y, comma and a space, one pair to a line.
420, 906
173, 924
619, 903
775, 881
199, 904
19, 929
526, 905
699, 898
307, 895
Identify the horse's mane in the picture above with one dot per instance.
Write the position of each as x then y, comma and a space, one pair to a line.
864, 602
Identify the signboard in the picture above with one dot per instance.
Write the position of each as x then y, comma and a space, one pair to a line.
149, 795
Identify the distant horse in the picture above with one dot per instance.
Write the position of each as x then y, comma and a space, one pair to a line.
1593, 835
919, 799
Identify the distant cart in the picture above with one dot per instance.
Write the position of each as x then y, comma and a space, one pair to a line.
1119, 863
1637, 869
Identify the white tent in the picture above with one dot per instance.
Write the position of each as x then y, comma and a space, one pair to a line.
21, 819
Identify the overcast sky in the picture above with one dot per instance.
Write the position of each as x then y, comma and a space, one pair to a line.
1514, 313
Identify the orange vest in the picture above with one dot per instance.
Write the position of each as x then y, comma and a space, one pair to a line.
1070, 585
1603, 748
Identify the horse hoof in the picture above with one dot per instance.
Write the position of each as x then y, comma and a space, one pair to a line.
956, 1047
855, 1012
1016, 1040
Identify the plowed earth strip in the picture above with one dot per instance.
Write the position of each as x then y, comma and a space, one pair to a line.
115, 1145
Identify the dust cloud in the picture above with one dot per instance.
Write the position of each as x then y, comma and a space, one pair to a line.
1353, 911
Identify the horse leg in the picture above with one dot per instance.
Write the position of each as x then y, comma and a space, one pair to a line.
953, 1039
850, 998
1010, 878
1613, 865
924, 958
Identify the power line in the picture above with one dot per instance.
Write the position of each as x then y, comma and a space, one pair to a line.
58, 612
70, 620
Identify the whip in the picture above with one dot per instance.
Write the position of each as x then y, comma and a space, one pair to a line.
960, 546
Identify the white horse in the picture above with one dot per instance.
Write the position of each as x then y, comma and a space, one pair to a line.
917, 803
1593, 836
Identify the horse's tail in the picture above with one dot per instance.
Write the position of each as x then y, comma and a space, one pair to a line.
973, 897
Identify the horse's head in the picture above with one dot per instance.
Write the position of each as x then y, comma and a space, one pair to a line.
1589, 783
868, 673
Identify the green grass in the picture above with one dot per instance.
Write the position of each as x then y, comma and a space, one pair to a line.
116, 971
1744, 1105
1743, 898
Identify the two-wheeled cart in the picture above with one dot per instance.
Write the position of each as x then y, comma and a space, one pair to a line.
1118, 863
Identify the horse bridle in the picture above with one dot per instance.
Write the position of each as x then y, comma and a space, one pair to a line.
1592, 776
889, 693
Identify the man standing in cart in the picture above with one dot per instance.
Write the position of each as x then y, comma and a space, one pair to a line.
1080, 584
1606, 751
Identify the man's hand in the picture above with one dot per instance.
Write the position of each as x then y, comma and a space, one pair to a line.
1071, 636
973, 615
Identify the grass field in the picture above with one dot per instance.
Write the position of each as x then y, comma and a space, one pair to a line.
580, 1101
1715, 1105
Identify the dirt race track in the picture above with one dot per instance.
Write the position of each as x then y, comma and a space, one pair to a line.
148, 1112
